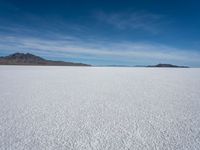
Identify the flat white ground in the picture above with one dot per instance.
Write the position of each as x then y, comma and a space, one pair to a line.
101, 108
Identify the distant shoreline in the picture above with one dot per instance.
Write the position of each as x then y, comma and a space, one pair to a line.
22, 59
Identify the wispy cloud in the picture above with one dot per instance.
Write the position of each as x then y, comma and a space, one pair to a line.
55, 41
52, 26
131, 52
136, 20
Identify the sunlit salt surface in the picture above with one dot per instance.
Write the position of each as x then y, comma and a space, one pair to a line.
97, 108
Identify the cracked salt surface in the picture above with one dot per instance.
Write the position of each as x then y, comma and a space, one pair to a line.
99, 108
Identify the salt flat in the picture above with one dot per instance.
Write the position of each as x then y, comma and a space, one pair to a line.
97, 108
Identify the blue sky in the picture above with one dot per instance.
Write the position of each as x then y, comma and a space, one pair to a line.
104, 32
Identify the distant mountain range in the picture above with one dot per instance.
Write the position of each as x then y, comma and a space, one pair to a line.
158, 66
168, 65
30, 59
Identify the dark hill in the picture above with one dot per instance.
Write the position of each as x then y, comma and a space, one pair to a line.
168, 65
30, 59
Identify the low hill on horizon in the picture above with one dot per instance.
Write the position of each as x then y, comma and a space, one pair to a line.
168, 65
30, 59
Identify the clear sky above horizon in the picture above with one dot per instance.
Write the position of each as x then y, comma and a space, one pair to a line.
103, 32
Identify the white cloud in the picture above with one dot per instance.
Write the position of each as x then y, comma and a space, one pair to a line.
137, 20
75, 48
